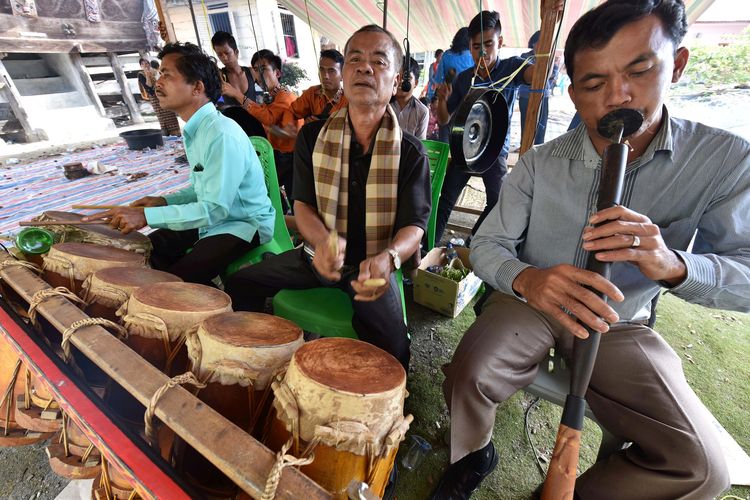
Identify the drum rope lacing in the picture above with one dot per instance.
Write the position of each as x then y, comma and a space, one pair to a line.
148, 417
28, 397
56, 263
8, 395
107, 295
106, 484
64, 440
48, 293
76, 325
283, 460
139, 320
20, 263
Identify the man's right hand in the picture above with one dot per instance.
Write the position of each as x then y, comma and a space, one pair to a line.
150, 201
564, 286
444, 91
329, 261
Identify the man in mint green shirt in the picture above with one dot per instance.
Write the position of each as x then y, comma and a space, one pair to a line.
226, 210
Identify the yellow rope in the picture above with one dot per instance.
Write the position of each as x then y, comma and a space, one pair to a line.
282, 460
68, 333
148, 418
48, 293
20, 263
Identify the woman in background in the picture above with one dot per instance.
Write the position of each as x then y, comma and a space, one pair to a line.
147, 83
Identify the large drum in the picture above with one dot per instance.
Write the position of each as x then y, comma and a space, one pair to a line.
106, 290
100, 234
69, 264
343, 400
157, 318
237, 354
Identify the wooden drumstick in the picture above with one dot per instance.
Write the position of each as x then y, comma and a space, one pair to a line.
59, 223
374, 282
94, 207
333, 242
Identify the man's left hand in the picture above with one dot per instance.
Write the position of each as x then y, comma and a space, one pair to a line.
126, 219
377, 266
627, 236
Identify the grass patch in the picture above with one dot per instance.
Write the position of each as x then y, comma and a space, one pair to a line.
717, 342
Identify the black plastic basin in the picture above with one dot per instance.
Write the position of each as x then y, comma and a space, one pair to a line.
144, 138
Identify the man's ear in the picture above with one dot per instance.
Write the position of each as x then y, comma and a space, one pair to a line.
499, 42
397, 82
572, 93
199, 88
681, 57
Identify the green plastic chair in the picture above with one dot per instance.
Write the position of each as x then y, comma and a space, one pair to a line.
325, 311
281, 241
438, 153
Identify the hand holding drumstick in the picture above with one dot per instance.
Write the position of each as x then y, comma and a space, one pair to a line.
329, 256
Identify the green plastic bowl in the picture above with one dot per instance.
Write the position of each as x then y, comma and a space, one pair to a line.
35, 240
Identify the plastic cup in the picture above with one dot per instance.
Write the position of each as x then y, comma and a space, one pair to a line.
418, 450
35, 240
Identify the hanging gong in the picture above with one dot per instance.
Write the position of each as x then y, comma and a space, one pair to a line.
478, 129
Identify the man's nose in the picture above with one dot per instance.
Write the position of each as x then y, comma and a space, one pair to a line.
619, 92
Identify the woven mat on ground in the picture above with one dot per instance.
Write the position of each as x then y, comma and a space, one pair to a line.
27, 190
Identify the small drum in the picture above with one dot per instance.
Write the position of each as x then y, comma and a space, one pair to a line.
106, 290
12, 372
100, 234
112, 483
237, 354
72, 455
37, 409
158, 318
343, 400
69, 264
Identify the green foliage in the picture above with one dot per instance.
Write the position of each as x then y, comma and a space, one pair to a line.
720, 65
292, 75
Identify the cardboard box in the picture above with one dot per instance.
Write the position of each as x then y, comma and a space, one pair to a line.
442, 294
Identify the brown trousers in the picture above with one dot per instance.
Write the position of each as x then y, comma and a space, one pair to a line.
638, 392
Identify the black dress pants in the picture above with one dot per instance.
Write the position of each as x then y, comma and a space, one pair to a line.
380, 323
455, 180
209, 256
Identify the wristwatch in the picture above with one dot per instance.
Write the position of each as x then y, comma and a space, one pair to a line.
395, 257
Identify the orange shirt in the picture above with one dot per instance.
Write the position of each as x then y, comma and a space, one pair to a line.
278, 113
313, 102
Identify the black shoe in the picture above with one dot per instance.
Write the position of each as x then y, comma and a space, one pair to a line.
463, 478
390, 488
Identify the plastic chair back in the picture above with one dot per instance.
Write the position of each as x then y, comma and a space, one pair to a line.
438, 154
281, 241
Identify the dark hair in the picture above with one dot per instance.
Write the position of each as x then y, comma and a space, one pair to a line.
195, 65
333, 55
438, 53
374, 28
484, 21
413, 68
224, 38
597, 27
534, 39
141, 61
424, 100
460, 40
154, 64
267, 56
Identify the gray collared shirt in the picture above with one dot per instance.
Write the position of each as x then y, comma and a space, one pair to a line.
414, 118
692, 181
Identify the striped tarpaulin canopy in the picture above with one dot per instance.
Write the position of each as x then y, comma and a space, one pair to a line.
434, 22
